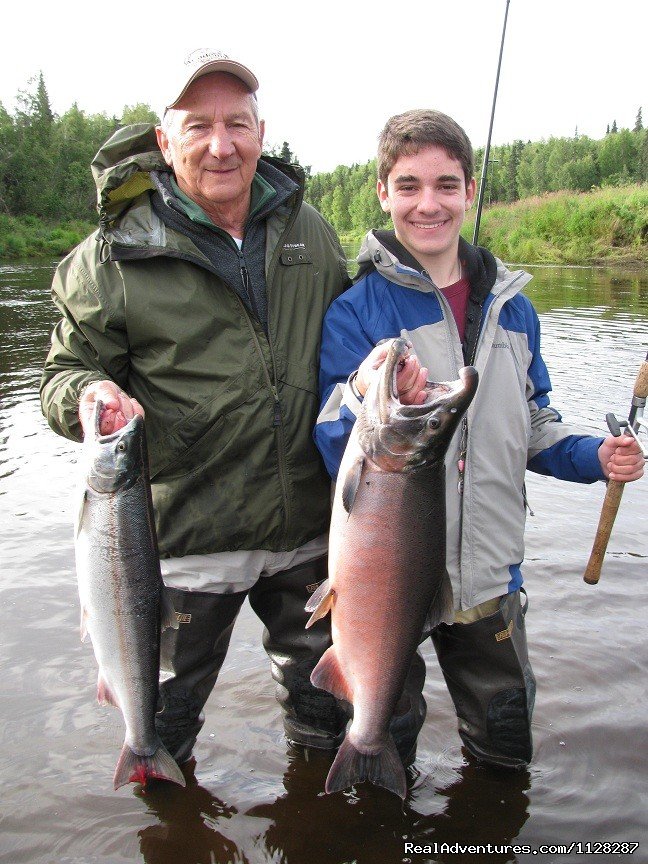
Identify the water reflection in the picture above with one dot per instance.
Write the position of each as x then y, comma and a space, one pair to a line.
191, 825
365, 825
580, 287
26, 320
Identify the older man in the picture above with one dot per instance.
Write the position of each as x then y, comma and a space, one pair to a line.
199, 303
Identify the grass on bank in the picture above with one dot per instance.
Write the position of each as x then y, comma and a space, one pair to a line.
30, 237
605, 226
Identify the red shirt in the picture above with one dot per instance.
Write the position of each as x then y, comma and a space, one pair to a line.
457, 296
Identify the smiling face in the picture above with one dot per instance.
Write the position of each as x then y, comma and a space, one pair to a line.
427, 197
212, 139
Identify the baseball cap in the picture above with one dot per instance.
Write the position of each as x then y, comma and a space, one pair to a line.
201, 62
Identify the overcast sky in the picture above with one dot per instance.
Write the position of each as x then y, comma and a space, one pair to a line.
332, 72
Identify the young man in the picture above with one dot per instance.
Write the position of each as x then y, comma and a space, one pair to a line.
459, 305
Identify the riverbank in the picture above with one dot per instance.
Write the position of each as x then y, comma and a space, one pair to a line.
607, 226
25, 237
604, 227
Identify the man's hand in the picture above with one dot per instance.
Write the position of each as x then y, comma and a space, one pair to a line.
119, 408
621, 458
410, 379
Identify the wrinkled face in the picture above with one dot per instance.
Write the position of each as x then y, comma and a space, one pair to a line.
427, 197
212, 139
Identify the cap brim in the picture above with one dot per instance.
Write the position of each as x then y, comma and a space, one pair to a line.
237, 69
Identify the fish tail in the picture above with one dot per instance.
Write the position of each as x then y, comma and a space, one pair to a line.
133, 768
382, 769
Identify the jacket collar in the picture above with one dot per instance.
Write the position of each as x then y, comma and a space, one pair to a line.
382, 252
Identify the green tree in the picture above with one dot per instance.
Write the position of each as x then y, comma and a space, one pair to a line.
31, 167
286, 153
7, 144
139, 113
365, 209
643, 156
340, 216
638, 122
512, 167
618, 157
580, 174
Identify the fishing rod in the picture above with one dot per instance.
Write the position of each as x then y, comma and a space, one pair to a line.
614, 489
482, 182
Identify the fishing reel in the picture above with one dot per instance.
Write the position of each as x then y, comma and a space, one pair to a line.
616, 426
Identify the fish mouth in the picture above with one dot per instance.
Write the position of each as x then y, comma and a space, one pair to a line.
387, 390
113, 461
133, 424
404, 437
437, 392
441, 392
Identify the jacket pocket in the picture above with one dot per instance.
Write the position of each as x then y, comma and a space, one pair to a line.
185, 460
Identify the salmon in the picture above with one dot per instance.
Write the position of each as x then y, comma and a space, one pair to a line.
120, 589
387, 570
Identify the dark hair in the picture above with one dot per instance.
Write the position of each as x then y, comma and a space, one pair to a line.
405, 134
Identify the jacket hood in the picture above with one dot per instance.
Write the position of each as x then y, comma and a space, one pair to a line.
121, 169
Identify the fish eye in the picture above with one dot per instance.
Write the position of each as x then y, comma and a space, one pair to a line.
121, 447
433, 423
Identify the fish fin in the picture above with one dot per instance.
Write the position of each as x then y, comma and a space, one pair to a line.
328, 675
382, 769
320, 603
83, 625
441, 609
447, 602
105, 696
78, 516
168, 617
351, 483
132, 768
317, 596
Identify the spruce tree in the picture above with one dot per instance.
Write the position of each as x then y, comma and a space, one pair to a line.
638, 122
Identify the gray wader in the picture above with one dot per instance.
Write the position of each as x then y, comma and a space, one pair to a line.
486, 667
192, 656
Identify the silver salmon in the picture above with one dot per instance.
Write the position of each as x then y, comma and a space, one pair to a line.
387, 569
120, 589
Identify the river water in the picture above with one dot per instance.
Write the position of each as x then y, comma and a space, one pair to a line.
253, 800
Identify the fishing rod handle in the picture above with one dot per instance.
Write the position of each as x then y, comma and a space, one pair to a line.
614, 489
641, 384
609, 511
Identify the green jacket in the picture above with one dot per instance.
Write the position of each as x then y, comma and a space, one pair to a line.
229, 410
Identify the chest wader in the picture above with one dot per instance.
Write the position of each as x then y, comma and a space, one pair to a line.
192, 657
312, 717
486, 667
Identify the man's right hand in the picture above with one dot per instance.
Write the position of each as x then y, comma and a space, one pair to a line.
119, 408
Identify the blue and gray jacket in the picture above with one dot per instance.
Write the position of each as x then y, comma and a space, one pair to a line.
510, 425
